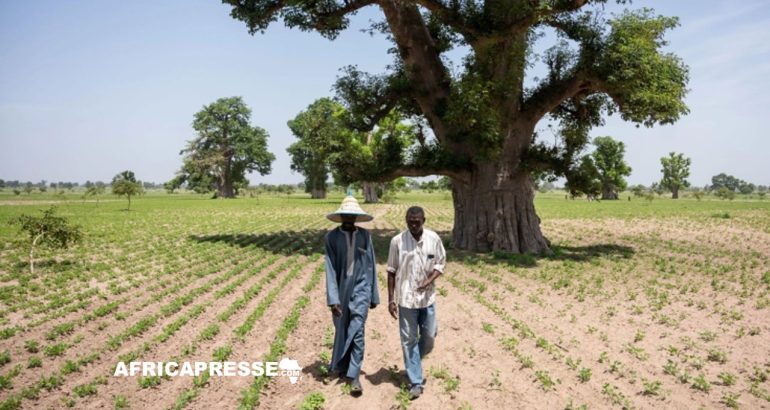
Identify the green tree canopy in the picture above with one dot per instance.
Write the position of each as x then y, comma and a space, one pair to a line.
48, 230
746, 188
318, 130
612, 167
226, 148
585, 179
480, 117
93, 191
724, 181
731, 183
362, 154
608, 173
676, 170
174, 184
125, 184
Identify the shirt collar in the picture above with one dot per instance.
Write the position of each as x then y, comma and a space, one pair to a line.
411, 237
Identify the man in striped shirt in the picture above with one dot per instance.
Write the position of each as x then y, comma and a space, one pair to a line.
415, 260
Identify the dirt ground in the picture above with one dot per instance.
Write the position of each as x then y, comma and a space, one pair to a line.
627, 313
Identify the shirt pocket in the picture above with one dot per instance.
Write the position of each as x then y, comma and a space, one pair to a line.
430, 261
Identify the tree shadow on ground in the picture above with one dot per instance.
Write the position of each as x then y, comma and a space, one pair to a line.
581, 254
311, 242
306, 242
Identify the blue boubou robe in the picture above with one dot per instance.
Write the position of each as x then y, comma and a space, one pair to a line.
353, 291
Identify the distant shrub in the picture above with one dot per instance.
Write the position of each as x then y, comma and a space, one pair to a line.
725, 193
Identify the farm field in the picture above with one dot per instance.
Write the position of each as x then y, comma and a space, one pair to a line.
661, 304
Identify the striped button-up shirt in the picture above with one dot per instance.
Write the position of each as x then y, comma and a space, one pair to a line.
413, 261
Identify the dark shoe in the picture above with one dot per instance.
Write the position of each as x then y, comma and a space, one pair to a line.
355, 387
415, 391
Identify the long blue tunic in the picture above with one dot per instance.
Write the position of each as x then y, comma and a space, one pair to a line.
353, 291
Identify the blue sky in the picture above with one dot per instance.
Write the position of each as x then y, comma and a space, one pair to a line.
90, 88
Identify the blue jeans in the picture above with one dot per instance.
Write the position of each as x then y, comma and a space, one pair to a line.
418, 334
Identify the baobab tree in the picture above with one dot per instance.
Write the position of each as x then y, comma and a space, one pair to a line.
481, 119
226, 148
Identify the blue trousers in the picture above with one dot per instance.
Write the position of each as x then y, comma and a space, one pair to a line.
351, 361
418, 334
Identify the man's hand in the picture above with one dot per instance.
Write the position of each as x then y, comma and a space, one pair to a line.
336, 310
425, 285
393, 309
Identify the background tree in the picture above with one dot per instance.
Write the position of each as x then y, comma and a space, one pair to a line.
29, 187
731, 183
94, 191
125, 184
676, 170
585, 179
2, 184
48, 230
746, 188
724, 193
610, 169
725, 181
174, 184
317, 129
638, 190
657, 188
371, 149
481, 118
226, 148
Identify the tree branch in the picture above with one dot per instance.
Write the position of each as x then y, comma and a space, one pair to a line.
422, 61
549, 96
451, 18
539, 14
258, 14
339, 13
414, 171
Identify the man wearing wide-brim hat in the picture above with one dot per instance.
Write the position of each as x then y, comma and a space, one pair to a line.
351, 288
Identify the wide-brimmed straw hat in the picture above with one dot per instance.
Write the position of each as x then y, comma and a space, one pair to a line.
349, 207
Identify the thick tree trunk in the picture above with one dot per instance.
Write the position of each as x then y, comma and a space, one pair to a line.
675, 192
370, 193
318, 193
225, 186
495, 210
315, 183
608, 192
226, 189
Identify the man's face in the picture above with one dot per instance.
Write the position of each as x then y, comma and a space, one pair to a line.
348, 222
414, 223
